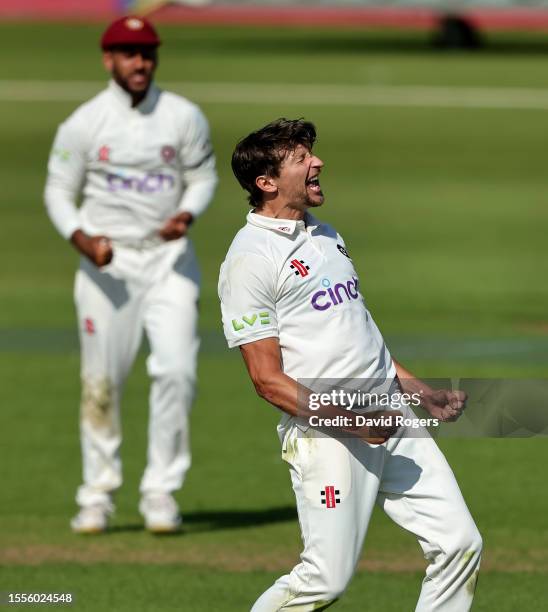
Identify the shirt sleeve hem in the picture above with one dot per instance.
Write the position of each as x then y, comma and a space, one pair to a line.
248, 340
69, 229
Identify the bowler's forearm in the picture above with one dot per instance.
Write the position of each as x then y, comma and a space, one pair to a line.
293, 398
409, 382
280, 390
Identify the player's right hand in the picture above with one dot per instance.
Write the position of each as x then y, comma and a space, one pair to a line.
176, 227
98, 249
380, 433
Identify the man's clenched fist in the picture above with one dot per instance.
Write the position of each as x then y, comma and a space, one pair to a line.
384, 428
444, 405
97, 249
177, 226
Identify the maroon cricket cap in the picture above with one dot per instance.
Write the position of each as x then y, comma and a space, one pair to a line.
130, 30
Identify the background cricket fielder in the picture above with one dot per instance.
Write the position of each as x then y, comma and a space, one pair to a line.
143, 162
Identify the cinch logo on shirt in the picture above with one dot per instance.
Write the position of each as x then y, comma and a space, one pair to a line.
333, 296
263, 317
150, 183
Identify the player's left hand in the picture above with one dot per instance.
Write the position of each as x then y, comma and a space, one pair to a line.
177, 226
445, 405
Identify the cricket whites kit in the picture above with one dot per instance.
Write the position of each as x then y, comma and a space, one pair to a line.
294, 280
136, 168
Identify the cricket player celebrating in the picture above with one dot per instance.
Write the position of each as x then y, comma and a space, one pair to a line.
290, 300
141, 160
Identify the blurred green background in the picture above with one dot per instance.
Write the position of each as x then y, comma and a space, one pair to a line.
444, 208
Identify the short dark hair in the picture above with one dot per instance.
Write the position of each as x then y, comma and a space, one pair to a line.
263, 151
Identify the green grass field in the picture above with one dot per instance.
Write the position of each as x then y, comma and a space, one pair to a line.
444, 209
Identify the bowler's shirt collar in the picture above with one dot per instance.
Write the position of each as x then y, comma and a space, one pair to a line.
287, 227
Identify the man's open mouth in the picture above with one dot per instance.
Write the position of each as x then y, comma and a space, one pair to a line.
139, 77
314, 184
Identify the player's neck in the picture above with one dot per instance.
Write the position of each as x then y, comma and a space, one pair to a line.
280, 211
137, 98
132, 98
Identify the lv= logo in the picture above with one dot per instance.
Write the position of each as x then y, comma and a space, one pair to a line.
263, 317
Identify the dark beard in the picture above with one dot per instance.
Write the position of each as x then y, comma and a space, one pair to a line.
137, 95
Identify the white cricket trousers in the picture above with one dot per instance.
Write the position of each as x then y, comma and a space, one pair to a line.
336, 483
153, 290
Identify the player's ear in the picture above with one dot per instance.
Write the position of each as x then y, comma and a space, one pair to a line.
265, 183
108, 61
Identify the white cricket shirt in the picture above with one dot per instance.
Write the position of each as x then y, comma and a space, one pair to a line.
135, 167
294, 280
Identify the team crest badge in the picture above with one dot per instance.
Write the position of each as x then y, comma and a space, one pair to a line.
168, 153
299, 267
330, 497
133, 23
104, 154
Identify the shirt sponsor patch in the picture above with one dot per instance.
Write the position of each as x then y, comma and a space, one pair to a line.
333, 296
343, 251
330, 497
150, 183
62, 154
89, 326
299, 267
262, 318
